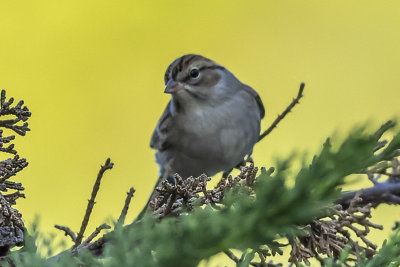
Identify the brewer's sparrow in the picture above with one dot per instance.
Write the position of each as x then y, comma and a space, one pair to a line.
211, 122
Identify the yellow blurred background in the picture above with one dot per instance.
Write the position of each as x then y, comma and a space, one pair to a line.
92, 72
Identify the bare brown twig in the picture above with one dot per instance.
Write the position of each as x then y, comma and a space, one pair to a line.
95, 233
67, 231
107, 166
232, 256
280, 117
124, 211
97, 246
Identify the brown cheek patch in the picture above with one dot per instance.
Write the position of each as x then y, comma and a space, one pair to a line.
210, 78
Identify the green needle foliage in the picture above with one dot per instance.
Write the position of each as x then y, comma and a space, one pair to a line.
248, 218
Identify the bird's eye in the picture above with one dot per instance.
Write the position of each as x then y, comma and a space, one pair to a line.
194, 73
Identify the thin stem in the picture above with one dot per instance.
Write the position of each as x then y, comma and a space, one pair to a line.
67, 231
280, 117
94, 234
107, 166
124, 211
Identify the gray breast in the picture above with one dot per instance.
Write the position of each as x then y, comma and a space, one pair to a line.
215, 138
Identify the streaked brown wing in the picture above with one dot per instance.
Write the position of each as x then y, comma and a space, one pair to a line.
159, 138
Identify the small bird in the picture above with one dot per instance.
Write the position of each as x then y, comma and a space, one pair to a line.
211, 122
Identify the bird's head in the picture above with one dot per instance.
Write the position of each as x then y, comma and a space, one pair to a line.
196, 78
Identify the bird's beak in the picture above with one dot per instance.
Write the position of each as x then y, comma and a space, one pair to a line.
172, 87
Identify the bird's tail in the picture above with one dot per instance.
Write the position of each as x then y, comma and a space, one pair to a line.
166, 176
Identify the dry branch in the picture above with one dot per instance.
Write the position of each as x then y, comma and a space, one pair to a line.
107, 166
280, 117
95, 233
124, 211
67, 231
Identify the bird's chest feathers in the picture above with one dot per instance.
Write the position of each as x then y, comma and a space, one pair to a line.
214, 133
205, 121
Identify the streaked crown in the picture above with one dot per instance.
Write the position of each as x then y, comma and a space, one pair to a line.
182, 63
